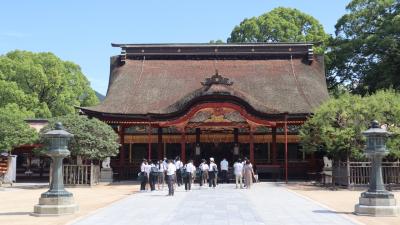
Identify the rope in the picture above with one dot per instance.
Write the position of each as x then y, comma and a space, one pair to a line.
298, 86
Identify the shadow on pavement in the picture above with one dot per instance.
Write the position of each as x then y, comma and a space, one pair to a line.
14, 213
331, 212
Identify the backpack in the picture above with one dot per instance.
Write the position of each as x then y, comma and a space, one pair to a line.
154, 169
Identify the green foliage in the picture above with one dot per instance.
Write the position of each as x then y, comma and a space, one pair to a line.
365, 55
93, 139
219, 41
14, 131
337, 124
281, 25
43, 83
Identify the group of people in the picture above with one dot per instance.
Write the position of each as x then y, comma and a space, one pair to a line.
174, 172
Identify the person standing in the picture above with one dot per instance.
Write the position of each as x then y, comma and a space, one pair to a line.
161, 175
212, 173
153, 175
203, 172
224, 171
143, 175
171, 171
179, 166
238, 171
248, 174
190, 170
147, 169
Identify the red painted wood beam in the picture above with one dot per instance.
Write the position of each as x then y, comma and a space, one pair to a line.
121, 142
183, 147
286, 150
160, 150
251, 146
149, 142
274, 151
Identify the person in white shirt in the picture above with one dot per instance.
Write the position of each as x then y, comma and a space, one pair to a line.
190, 169
179, 166
238, 171
203, 172
161, 174
212, 173
143, 175
171, 171
147, 169
153, 175
224, 170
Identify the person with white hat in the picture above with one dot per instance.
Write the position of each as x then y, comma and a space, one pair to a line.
212, 173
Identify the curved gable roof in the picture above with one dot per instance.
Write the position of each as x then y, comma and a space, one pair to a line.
162, 86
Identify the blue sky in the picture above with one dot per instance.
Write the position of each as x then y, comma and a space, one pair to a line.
81, 30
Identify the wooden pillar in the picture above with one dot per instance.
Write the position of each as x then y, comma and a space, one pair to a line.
251, 146
274, 152
149, 142
286, 150
121, 142
183, 147
197, 136
160, 146
236, 135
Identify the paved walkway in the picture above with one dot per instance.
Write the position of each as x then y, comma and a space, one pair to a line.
265, 203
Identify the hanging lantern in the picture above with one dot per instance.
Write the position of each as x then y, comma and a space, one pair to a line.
197, 149
236, 149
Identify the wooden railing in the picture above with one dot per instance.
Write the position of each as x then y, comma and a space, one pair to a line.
353, 174
80, 175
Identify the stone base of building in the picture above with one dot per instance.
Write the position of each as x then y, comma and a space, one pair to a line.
377, 204
106, 175
55, 206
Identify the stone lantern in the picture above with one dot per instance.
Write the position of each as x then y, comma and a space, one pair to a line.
56, 201
377, 201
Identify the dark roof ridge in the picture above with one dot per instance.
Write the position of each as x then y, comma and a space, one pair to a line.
212, 44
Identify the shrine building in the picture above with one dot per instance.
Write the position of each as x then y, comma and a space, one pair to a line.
213, 100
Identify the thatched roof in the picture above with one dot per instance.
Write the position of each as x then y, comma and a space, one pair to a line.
290, 81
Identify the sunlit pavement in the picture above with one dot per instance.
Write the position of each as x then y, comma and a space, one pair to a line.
265, 203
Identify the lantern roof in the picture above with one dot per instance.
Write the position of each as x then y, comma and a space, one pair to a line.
375, 129
58, 132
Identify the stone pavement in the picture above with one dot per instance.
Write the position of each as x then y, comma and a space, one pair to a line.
265, 203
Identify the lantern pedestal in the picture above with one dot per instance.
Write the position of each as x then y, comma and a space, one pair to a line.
377, 204
55, 206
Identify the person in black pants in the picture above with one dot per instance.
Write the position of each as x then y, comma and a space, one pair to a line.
179, 167
153, 176
170, 177
143, 175
190, 169
212, 173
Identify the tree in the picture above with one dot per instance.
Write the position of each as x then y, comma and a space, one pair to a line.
52, 86
337, 124
366, 51
93, 139
14, 131
281, 25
